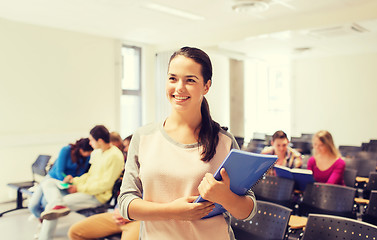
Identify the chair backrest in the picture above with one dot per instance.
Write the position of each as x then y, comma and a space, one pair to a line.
256, 145
350, 177
274, 189
372, 183
39, 166
328, 199
270, 222
240, 141
363, 166
304, 147
349, 151
326, 227
370, 214
112, 202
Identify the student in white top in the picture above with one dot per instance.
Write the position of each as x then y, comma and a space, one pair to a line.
170, 163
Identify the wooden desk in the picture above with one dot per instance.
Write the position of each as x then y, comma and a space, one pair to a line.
362, 179
361, 201
297, 222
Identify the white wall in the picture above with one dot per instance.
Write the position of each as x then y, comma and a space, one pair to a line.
219, 95
54, 87
337, 94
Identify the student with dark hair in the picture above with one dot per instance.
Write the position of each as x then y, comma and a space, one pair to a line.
72, 160
170, 163
90, 189
100, 132
126, 144
287, 156
105, 224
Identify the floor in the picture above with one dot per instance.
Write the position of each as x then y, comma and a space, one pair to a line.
17, 225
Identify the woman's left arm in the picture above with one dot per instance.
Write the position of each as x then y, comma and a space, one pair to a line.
240, 207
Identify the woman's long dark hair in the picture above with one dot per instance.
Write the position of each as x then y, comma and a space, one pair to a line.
209, 129
76, 157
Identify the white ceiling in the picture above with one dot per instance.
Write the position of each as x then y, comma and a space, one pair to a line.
279, 30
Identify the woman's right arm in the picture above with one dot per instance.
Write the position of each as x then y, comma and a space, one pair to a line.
180, 209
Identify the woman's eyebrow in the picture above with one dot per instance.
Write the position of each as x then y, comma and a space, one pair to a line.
192, 76
187, 76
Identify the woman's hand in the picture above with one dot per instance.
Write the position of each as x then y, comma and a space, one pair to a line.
68, 179
213, 190
118, 218
219, 192
185, 209
72, 189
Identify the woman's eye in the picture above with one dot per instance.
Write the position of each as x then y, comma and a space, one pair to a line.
171, 78
190, 80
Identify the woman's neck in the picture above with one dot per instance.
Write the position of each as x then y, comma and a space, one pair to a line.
325, 156
190, 120
183, 128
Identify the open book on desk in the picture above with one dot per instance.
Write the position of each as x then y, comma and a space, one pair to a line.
301, 176
244, 170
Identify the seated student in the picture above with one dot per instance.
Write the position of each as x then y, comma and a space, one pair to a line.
105, 224
89, 190
326, 163
287, 156
72, 160
116, 140
126, 143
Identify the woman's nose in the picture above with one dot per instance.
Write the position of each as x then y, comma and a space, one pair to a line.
180, 86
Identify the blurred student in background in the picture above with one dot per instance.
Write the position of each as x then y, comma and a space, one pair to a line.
105, 224
89, 190
73, 160
326, 163
116, 140
287, 156
126, 143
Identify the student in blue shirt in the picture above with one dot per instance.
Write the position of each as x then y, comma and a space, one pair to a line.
73, 160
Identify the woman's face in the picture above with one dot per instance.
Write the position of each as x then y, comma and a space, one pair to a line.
185, 87
318, 146
85, 153
126, 144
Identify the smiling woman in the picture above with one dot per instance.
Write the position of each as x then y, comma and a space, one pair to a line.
167, 162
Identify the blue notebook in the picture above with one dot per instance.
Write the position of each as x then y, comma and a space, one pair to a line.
302, 177
244, 170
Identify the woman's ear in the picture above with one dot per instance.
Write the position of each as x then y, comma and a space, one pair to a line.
207, 86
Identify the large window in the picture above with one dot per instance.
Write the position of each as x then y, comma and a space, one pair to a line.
267, 97
130, 114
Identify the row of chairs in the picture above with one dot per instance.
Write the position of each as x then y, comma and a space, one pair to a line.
317, 198
272, 222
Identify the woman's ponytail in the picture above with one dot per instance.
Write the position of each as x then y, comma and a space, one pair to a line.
209, 133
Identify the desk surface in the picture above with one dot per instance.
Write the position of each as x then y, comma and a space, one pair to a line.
297, 222
362, 179
362, 201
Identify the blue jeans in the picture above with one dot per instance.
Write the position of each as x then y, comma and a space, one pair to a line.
37, 202
55, 196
